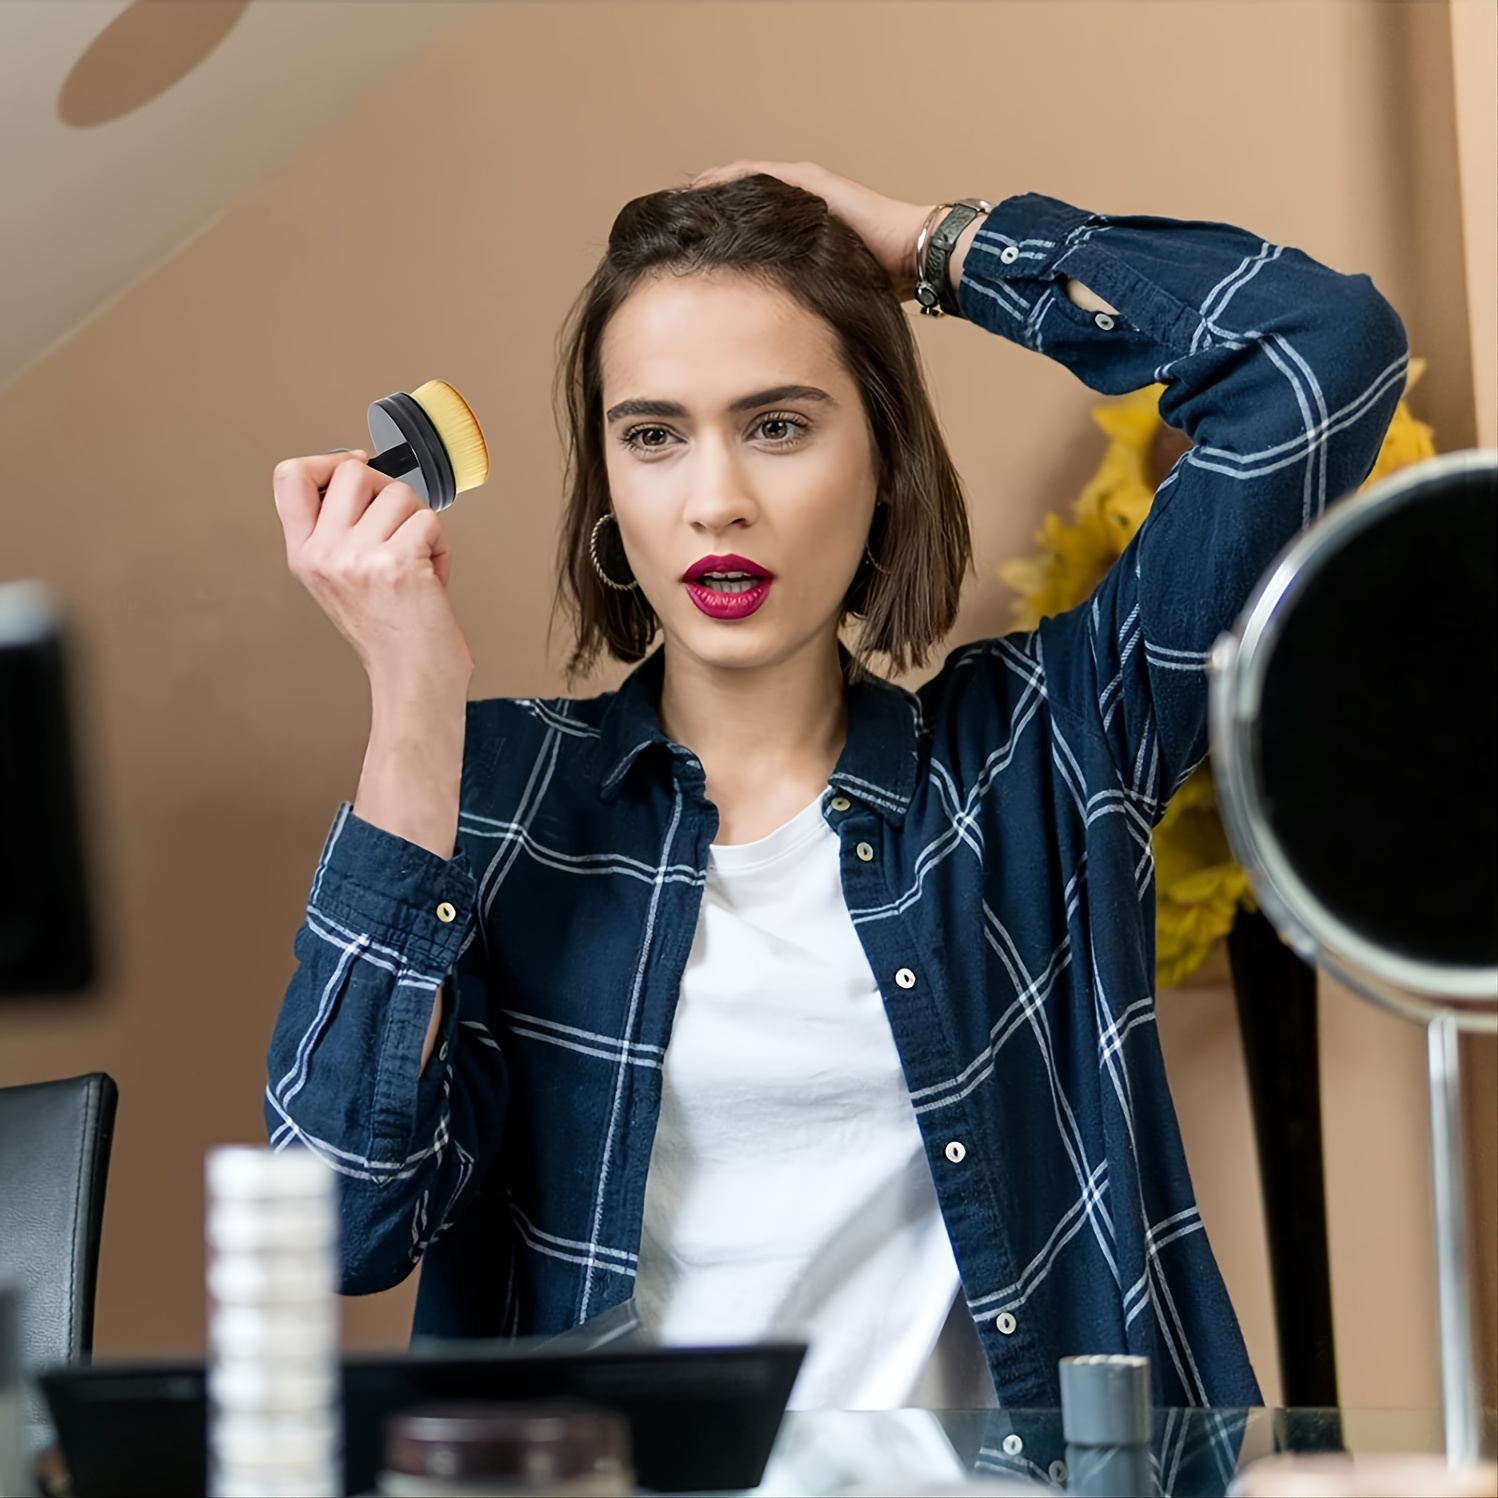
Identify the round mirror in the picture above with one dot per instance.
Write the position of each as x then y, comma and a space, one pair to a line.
1354, 743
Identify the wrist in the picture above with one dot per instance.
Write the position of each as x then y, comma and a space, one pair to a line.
411, 780
420, 684
919, 225
944, 227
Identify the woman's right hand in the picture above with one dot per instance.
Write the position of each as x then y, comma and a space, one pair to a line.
377, 561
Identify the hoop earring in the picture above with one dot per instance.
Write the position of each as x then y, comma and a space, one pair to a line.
603, 576
881, 524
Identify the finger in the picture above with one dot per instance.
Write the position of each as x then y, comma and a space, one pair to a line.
350, 491
387, 512
297, 484
345, 452
715, 176
421, 535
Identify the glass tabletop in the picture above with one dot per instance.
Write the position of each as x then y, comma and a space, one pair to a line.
1196, 1452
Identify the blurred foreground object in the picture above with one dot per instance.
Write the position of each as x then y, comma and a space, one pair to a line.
1353, 755
1106, 1418
46, 944
274, 1400
13, 1479
1362, 1477
556, 1449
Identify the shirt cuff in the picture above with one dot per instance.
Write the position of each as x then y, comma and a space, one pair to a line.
399, 894
1011, 281
1012, 257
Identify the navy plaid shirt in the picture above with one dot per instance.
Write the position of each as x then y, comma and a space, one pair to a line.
1007, 909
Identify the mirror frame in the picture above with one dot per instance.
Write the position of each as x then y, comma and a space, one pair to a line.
1237, 666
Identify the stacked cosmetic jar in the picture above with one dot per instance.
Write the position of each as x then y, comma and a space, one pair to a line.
273, 1381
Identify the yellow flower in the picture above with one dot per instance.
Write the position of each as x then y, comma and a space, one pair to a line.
1073, 558
1408, 439
1198, 887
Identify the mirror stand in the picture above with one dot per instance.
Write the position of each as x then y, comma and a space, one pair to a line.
1459, 1388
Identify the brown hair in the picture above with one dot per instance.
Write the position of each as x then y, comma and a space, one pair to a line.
763, 227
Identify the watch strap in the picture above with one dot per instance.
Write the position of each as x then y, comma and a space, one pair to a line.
933, 289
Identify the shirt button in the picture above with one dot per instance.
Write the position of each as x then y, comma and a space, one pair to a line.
1005, 1323
1104, 322
1013, 1445
447, 913
905, 978
1057, 1471
442, 1052
841, 803
956, 1152
1009, 254
865, 853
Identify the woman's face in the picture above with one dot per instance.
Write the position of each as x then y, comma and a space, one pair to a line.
741, 466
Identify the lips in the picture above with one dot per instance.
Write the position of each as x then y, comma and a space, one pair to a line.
727, 587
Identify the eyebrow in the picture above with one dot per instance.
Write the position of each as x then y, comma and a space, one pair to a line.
773, 397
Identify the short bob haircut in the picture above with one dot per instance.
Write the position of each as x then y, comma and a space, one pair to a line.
919, 545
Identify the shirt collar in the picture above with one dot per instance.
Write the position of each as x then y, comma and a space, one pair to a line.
877, 765
631, 723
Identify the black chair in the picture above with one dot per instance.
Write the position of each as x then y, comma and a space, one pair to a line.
54, 1158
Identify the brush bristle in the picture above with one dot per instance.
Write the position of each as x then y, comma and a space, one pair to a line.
458, 430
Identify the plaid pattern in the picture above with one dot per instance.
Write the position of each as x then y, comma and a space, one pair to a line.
1008, 807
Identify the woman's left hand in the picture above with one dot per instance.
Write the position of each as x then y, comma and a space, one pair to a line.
887, 226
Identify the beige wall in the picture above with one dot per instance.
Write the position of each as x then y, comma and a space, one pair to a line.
1474, 51
441, 229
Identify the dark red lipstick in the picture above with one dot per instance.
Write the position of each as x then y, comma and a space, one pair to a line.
727, 587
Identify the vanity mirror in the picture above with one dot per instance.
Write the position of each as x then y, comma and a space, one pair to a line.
1353, 741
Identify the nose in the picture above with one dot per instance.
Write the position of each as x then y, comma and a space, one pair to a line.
719, 494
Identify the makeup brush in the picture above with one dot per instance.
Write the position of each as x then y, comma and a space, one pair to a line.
429, 440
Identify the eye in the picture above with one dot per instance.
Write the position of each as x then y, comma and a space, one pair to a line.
781, 428
648, 439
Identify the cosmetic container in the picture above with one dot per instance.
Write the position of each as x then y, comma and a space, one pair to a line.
558, 1450
274, 1395
1105, 1416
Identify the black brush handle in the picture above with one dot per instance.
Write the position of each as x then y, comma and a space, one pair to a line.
410, 447
394, 461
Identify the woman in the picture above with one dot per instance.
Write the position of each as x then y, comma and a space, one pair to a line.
763, 992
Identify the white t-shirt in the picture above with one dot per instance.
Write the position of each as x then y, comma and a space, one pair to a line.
788, 1192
